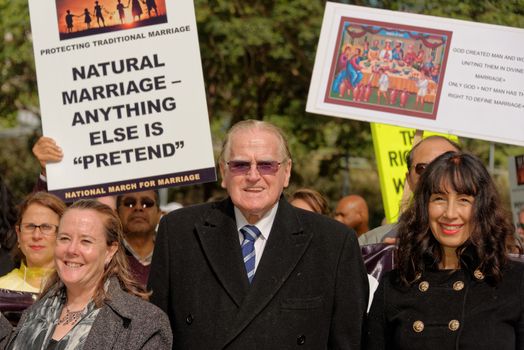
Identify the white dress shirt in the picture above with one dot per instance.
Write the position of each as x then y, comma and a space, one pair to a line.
264, 225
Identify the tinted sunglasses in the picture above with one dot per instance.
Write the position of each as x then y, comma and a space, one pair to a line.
143, 202
420, 167
521, 225
241, 167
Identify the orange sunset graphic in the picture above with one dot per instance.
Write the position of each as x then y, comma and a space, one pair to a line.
77, 18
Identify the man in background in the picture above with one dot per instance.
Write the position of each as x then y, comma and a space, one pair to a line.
419, 157
140, 214
353, 212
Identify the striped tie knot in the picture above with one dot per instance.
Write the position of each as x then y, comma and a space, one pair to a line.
250, 233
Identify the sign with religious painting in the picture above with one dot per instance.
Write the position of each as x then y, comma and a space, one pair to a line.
516, 183
391, 68
421, 72
122, 93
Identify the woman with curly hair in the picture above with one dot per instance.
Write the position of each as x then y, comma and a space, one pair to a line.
454, 286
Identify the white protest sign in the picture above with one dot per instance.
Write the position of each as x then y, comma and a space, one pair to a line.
122, 92
421, 72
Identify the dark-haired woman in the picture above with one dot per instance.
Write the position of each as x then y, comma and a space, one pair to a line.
454, 287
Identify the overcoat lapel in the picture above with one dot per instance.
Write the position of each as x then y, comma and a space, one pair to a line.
219, 238
286, 245
107, 327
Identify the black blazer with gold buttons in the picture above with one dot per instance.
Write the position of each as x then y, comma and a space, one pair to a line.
449, 309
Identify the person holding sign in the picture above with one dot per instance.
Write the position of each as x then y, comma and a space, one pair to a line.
252, 271
454, 286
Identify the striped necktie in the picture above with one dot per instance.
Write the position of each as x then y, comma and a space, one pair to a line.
251, 234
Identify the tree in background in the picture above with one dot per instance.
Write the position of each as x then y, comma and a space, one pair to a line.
257, 59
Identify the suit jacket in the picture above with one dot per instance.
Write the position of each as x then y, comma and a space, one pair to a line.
310, 289
125, 322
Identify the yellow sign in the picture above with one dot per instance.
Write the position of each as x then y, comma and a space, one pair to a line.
392, 145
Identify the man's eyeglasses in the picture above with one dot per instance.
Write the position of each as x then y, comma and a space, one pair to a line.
420, 167
521, 225
143, 203
45, 229
241, 167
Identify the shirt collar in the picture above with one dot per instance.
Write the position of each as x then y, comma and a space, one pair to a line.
264, 224
144, 261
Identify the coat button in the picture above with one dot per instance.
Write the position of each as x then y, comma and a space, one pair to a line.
418, 326
189, 319
478, 275
301, 340
453, 325
459, 285
423, 286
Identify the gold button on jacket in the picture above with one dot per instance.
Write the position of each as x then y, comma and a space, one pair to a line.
453, 325
478, 275
418, 326
459, 285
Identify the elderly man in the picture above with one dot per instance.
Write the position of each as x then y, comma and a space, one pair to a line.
252, 271
353, 212
418, 159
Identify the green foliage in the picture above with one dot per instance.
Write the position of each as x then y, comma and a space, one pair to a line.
17, 73
17, 92
257, 59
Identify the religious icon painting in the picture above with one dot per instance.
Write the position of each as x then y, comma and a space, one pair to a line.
388, 67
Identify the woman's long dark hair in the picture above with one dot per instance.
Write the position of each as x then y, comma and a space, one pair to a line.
490, 222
